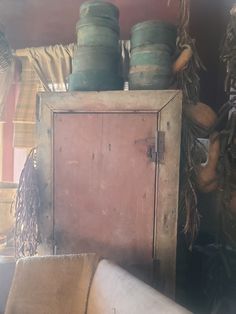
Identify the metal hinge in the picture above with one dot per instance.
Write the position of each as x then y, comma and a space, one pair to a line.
161, 146
156, 150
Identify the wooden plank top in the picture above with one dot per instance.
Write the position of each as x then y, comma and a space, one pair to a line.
111, 101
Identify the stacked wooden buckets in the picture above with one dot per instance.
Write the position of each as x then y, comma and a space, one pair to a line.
96, 63
153, 45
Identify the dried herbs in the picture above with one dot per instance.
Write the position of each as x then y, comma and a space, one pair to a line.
188, 80
227, 172
27, 208
228, 53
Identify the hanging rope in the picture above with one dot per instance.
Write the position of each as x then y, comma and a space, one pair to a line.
27, 208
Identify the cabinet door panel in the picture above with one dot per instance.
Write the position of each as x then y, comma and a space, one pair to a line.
104, 185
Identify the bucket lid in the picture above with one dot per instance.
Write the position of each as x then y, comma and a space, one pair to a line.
99, 8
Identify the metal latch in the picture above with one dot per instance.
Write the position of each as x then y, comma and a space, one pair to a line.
156, 150
161, 146
152, 153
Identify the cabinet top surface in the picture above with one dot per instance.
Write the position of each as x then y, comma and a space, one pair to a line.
109, 101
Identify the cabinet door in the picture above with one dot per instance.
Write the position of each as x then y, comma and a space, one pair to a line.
99, 190
104, 185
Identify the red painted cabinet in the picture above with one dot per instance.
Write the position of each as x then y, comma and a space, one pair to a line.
104, 185
103, 159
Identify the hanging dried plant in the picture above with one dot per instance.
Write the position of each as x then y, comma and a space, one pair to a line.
27, 207
227, 172
188, 80
228, 52
193, 152
188, 197
227, 164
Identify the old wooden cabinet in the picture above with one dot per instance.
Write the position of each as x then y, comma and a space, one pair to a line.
108, 166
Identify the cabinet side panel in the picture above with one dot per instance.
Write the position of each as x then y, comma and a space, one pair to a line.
167, 196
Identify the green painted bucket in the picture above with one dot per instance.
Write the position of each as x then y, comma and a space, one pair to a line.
99, 58
93, 80
154, 32
150, 67
97, 31
99, 9
149, 80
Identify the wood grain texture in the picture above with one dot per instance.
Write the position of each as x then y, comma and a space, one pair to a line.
104, 186
116, 101
167, 196
45, 177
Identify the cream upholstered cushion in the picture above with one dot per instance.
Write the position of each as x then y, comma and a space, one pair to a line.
52, 284
115, 291
7, 267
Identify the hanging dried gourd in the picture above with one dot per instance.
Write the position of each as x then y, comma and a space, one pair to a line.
182, 61
202, 116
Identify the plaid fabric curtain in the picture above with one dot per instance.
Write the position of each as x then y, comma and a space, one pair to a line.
52, 65
24, 120
7, 68
46, 69
6, 80
43, 69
